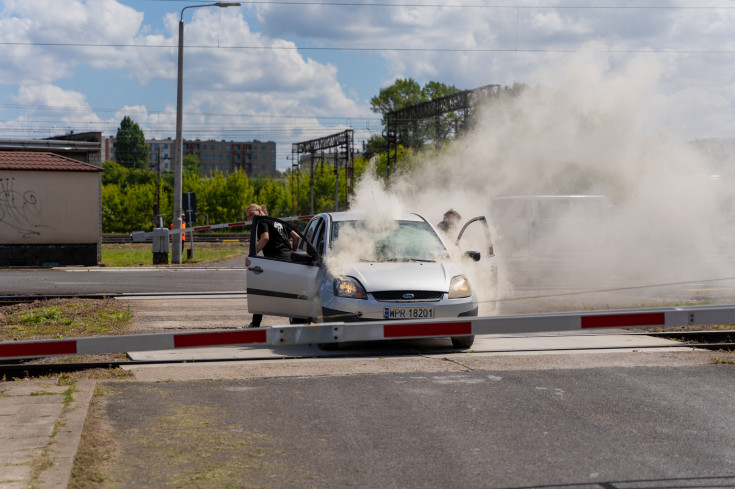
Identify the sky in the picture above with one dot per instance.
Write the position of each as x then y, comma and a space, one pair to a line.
290, 71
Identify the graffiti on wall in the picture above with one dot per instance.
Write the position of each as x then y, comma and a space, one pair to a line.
20, 211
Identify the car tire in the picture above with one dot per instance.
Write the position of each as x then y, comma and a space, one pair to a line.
463, 342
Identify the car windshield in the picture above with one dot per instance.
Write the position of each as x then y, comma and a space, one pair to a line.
392, 241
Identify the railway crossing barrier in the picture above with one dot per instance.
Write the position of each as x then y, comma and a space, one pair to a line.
160, 236
142, 236
300, 334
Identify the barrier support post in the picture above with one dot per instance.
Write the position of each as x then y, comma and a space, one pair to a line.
160, 246
190, 251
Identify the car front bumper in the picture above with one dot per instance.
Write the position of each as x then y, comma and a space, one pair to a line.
350, 310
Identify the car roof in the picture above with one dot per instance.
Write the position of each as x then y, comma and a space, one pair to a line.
361, 216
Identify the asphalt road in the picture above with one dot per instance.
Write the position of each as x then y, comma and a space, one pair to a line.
80, 280
589, 428
230, 276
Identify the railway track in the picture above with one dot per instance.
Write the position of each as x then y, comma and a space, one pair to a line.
20, 369
23, 368
29, 368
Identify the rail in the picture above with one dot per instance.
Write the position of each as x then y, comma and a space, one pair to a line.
338, 332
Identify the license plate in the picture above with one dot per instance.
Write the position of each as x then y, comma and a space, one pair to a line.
408, 313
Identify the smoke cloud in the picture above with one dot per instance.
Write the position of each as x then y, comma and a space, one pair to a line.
662, 214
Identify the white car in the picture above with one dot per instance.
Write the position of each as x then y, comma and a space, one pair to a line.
349, 268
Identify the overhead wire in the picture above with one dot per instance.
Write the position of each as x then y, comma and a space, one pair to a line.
416, 49
371, 49
483, 6
380, 49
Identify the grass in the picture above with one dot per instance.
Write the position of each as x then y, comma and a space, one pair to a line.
141, 254
44, 461
63, 318
97, 450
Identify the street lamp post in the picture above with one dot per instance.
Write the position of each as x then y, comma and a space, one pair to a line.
179, 157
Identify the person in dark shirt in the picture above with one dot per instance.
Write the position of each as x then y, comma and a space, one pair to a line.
449, 221
273, 241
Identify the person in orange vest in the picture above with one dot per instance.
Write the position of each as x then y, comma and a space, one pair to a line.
183, 235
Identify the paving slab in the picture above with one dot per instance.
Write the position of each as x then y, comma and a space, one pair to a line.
484, 344
36, 419
15, 473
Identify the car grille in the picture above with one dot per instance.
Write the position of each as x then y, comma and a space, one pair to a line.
405, 296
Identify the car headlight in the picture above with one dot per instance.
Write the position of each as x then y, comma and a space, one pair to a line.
459, 287
349, 287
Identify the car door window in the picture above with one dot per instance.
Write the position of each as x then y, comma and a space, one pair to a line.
305, 245
311, 227
476, 237
320, 238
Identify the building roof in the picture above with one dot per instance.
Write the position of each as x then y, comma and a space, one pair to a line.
35, 161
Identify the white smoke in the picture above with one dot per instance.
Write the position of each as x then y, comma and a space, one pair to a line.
669, 214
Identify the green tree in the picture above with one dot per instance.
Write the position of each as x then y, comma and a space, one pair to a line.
407, 92
130, 148
220, 198
191, 164
124, 177
298, 188
375, 145
128, 209
401, 94
514, 91
443, 126
275, 196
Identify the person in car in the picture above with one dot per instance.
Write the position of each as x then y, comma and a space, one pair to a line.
273, 241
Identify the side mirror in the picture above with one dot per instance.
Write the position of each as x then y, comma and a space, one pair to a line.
302, 257
473, 255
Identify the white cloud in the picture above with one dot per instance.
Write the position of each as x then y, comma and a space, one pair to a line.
221, 75
51, 26
282, 81
36, 112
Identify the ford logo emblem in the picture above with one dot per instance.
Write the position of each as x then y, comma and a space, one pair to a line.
408, 296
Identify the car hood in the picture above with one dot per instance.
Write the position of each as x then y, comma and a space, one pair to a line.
378, 276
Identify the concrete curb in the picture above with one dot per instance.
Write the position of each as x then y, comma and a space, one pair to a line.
63, 448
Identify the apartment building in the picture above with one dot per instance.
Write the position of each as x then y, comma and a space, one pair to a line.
255, 158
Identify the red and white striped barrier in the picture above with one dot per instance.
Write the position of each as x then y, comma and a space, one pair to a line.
375, 330
139, 236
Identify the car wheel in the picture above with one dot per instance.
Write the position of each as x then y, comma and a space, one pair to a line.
463, 342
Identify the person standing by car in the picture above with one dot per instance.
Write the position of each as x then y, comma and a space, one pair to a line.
273, 241
449, 221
